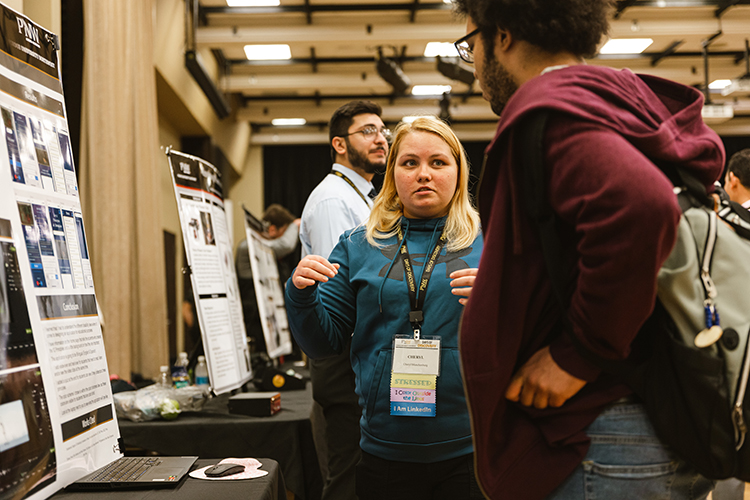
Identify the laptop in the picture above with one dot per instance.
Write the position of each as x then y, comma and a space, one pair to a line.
137, 472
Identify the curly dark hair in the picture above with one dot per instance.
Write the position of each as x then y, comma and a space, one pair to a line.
575, 26
739, 165
343, 118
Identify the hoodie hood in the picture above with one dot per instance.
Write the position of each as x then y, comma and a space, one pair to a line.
659, 117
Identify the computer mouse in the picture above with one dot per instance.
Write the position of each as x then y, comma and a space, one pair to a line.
225, 469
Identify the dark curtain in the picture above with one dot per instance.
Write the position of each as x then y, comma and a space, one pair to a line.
291, 172
733, 144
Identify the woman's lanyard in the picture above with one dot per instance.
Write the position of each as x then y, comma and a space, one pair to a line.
339, 174
416, 300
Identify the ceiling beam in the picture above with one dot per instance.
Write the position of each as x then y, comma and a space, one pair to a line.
347, 97
654, 56
313, 8
399, 34
384, 34
684, 3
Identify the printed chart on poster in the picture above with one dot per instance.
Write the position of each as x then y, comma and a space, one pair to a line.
200, 202
57, 420
268, 291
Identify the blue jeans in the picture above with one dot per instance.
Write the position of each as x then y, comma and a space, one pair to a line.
627, 461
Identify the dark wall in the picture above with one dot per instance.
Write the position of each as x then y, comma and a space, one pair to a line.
734, 144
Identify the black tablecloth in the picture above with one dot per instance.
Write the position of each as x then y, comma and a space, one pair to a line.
269, 487
215, 433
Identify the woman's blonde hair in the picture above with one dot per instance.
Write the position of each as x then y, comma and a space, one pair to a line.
462, 224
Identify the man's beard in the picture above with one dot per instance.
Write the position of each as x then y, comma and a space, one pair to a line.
498, 85
358, 159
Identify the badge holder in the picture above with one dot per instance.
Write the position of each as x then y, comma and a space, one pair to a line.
416, 366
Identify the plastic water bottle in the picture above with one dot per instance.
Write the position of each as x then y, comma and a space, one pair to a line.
165, 379
180, 376
201, 373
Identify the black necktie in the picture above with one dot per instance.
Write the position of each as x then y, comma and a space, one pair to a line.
372, 194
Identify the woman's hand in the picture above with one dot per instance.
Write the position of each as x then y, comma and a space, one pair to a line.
464, 279
311, 269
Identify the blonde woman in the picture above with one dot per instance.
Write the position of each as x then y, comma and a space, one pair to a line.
399, 284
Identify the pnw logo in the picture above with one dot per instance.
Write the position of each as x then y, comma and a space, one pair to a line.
30, 31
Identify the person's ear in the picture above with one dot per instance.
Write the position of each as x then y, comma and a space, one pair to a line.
272, 231
731, 180
503, 40
339, 145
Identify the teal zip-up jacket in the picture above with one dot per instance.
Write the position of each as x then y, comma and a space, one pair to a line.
369, 297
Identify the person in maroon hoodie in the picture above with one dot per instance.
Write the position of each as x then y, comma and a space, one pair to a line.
547, 423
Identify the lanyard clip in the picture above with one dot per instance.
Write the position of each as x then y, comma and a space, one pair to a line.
416, 318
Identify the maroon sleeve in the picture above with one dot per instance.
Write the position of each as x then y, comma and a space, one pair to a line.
625, 215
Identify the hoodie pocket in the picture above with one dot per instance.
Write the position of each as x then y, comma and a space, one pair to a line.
380, 376
451, 422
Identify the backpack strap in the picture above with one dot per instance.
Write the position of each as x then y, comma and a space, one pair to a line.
529, 150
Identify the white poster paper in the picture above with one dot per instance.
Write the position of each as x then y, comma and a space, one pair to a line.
208, 245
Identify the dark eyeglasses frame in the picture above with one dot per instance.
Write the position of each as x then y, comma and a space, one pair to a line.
464, 52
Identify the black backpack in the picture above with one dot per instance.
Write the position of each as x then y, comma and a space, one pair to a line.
696, 397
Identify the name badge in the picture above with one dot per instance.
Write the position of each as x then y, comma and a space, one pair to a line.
418, 357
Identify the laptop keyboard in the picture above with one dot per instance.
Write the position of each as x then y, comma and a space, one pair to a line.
126, 469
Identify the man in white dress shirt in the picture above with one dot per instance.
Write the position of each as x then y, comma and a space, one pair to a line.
737, 180
342, 200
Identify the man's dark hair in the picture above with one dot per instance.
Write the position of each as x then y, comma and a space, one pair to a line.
344, 116
574, 26
278, 216
739, 165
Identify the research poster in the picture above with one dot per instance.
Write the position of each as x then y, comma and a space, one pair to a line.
210, 260
268, 292
57, 420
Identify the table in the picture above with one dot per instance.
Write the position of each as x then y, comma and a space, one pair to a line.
269, 487
215, 433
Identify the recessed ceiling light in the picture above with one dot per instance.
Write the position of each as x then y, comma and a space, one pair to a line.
719, 84
626, 46
267, 52
253, 3
288, 122
430, 89
442, 49
409, 119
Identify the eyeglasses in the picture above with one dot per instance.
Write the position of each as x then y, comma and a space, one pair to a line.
465, 51
370, 131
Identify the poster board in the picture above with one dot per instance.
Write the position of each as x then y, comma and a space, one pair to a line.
208, 246
57, 419
268, 291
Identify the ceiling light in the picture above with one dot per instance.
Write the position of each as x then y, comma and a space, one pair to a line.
741, 84
626, 46
288, 122
430, 89
714, 114
719, 84
440, 49
411, 118
253, 3
267, 52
